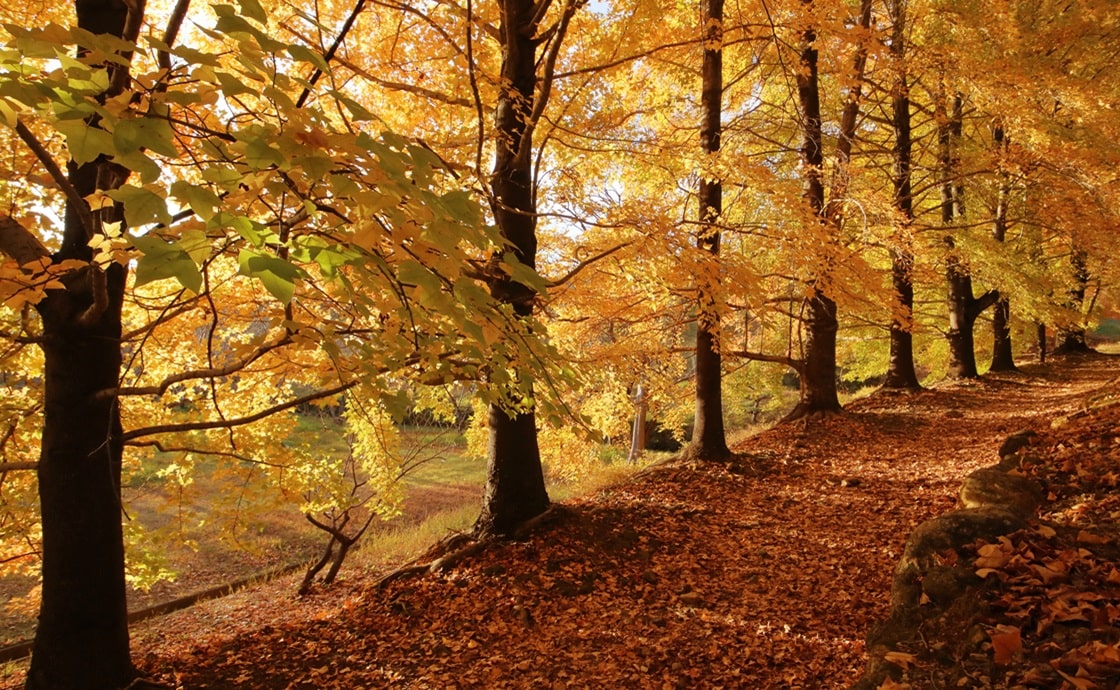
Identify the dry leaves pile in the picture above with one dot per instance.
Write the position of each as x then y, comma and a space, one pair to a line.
1047, 613
765, 573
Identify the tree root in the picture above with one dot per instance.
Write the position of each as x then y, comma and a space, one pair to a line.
452, 550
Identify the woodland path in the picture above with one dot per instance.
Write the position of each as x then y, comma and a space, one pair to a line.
763, 574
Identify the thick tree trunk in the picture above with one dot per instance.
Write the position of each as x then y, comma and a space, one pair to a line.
1071, 336
817, 376
1003, 358
900, 366
515, 489
964, 309
709, 441
81, 642
818, 367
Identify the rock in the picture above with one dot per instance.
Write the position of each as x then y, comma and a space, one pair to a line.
993, 487
1016, 441
691, 599
949, 532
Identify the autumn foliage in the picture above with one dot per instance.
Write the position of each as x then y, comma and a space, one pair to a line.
514, 216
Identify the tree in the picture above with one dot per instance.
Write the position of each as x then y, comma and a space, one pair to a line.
515, 490
900, 369
82, 637
1071, 333
306, 255
708, 439
818, 370
1003, 358
964, 307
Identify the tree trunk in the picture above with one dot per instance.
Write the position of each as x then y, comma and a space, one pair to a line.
1040, 334
709, 441
818, 368
964, 308
515, 490
1071, 336
1003, 358
81, 642
900, 367
817, 376
638, 433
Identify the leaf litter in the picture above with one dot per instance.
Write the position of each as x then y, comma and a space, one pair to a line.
766, 572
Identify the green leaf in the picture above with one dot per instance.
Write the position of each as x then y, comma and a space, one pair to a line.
85, 143
134, 134
231, 85
141, 206
224, 176
195, 243
260, 154
253, 10
305, 54
138, 162
461, 206
202, 201
161, 259
277, 276
523, 274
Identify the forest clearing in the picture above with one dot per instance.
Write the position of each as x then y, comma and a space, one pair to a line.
764, 573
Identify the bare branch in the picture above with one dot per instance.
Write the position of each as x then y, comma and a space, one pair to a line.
11, 466
795, 364
584, 264
174, 23
212, 373
331, 51
239, 421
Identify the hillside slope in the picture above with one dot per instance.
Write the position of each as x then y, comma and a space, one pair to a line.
766, 573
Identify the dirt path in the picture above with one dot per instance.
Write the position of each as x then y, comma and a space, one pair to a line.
763, 575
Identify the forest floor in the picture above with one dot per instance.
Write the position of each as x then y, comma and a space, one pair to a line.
764, 573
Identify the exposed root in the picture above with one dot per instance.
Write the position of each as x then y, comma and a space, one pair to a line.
452, 550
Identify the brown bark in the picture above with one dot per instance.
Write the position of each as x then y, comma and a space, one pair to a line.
1003, 358
81, 642
818, 371
709, 441
1071, 336
900, 367
964, 308
515, 489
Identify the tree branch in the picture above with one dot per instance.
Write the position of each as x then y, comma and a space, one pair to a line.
795, 364
10, 466
331, 51
217, 372
20, 243
977, 306
584, 264
238, 421
60, 178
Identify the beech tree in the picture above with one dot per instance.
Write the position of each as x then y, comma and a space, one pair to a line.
515, 490
708, 439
